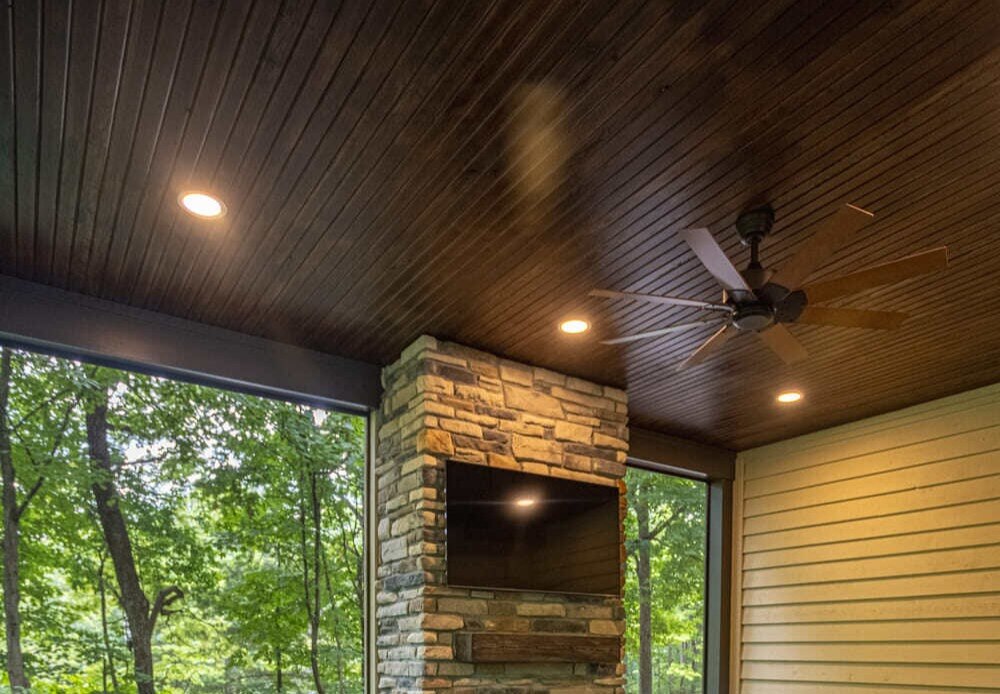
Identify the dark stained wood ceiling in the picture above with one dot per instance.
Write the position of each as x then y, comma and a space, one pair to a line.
361, 149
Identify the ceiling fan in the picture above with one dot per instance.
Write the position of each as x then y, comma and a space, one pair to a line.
762, 301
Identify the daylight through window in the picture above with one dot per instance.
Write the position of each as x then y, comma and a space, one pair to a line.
666, 538
168, 537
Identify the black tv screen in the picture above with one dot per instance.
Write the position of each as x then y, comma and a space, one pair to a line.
512, 530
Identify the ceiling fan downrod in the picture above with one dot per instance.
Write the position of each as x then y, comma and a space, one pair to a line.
753, 227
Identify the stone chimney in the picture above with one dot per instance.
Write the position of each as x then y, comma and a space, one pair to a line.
446, 402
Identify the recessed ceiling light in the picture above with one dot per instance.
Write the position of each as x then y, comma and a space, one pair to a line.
789, 396
525, 502
202, 205
574, 326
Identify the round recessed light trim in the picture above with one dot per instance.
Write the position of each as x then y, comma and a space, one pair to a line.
202, 205
574, 326
789, 396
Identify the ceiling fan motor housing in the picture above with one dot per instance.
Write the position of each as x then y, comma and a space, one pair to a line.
753, 316
772, 304
790, 306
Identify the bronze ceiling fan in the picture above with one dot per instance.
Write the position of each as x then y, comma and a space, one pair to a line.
760, 301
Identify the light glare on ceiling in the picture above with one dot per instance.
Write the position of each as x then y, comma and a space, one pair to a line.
789, 396
574, 326
525, 502
202, 205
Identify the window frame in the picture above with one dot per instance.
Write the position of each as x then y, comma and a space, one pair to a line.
55, 323
657, 452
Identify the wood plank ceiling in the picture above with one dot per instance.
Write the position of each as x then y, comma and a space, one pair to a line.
360, 147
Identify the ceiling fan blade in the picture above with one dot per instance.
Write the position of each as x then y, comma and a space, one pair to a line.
851, 318
657, 333
709, 346
836, 231
784, 344
712, 256
886, 273
654, 299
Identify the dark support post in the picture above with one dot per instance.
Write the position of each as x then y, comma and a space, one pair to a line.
719, 586
370, 626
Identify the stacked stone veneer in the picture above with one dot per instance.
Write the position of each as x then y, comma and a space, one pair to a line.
447, 402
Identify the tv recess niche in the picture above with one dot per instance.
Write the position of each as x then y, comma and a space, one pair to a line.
509, 530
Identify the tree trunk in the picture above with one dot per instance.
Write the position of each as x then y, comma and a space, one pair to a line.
133, 600
279, 685
310, 583
314, 620
105, 634
11, 541
643, 571
336, 626
279, 674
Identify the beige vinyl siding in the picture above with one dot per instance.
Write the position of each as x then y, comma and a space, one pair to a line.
868, 555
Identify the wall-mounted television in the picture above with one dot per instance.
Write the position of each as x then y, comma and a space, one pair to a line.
517, 531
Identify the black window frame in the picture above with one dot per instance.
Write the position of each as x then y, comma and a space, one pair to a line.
657, 452
43, 319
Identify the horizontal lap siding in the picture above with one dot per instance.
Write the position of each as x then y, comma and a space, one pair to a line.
869, 555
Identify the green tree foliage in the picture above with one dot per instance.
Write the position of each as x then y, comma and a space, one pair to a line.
665, 532
245, 512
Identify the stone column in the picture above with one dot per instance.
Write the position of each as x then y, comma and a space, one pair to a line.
445, 402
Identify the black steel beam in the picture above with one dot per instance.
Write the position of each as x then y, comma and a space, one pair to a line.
52, 320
